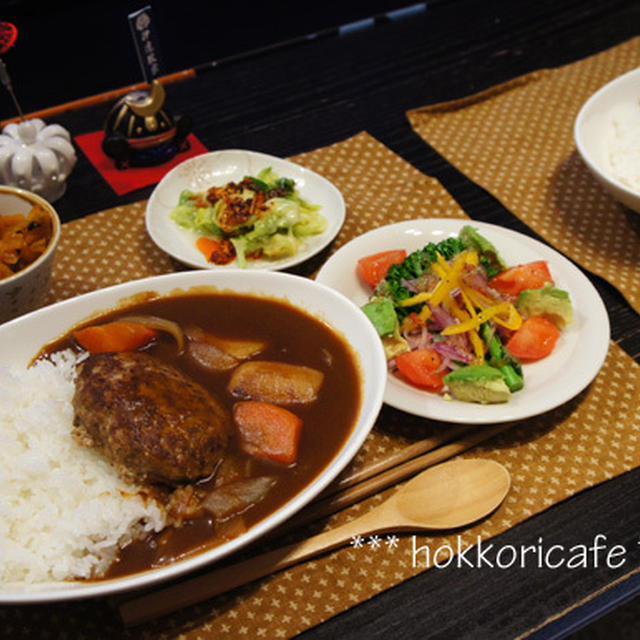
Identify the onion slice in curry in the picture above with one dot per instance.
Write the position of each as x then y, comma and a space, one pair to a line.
160, 324
236, 497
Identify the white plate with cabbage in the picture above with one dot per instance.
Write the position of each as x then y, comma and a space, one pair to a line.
237, 208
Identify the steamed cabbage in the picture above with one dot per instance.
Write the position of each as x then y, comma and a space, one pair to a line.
262, 216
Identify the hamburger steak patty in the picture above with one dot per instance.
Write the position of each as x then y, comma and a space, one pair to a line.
151, 421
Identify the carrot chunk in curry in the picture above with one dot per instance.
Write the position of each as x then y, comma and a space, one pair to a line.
267, 430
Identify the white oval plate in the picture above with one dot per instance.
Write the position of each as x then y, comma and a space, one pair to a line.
216, 169
21, 340
550, 382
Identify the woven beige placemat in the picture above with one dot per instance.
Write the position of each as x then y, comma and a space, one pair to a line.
592, 438
516, 141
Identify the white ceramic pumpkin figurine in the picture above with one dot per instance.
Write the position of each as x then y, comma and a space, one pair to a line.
36, 157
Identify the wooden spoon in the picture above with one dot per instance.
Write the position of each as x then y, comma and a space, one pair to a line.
447, 496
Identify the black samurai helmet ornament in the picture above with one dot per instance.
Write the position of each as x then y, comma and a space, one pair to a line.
140, 133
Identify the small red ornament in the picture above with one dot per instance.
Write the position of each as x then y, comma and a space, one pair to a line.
8, 35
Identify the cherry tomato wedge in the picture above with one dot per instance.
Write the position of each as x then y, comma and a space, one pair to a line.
532, 275
535, 339
420, 367
374, 267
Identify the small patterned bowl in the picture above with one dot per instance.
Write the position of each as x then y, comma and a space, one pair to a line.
24, 291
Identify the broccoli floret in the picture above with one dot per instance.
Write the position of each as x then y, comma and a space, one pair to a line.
413, 266
500, 358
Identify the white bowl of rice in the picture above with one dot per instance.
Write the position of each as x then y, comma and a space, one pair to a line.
64, 512
607, 135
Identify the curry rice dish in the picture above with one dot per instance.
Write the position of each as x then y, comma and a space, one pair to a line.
219, 412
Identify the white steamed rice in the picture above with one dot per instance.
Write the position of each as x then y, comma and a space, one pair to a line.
64, 511
624, 144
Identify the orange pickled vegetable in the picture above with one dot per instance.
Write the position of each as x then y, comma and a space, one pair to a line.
216, 251
23, 238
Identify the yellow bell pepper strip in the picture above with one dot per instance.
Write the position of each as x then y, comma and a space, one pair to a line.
452, 307
514, 320
478, 346
476, 342
464, 316
467, 303
449, 280
417, 299
442, 263
478, 298
472, 257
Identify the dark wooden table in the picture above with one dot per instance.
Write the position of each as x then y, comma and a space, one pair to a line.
312, 93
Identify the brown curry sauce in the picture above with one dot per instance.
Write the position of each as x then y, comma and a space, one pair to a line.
292, 336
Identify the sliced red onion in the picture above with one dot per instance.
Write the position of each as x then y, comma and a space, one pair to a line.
476, 280
427, 281
452, 353
418, 339
441, 317
461, 342
445, 364
409, 285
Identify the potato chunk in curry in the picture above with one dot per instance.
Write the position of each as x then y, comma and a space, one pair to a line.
219, 354
276, 382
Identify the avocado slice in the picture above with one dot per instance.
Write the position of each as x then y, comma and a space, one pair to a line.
478, 383
548, 301
382, 314
487, 253
394, 345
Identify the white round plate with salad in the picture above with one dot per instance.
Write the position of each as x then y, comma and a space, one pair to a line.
578, 354
243, 209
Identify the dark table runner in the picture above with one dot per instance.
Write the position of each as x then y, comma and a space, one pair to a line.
298, 99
